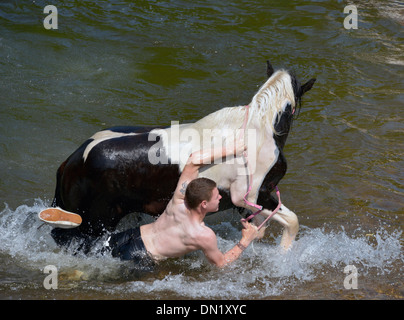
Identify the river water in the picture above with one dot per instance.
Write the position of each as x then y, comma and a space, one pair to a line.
152, 62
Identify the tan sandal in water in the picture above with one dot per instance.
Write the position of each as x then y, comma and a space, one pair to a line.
60, 218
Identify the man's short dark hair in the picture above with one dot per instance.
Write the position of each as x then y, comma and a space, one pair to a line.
198, 190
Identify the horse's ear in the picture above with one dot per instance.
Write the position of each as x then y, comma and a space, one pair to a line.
270, 69
307, 86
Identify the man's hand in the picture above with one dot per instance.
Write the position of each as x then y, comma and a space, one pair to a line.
249, 233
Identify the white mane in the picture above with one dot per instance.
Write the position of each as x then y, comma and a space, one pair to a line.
271, 99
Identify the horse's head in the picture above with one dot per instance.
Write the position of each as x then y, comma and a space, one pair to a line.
298, 89
276, 101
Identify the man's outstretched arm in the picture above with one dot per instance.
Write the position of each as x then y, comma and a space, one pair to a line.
216, 257
200, 158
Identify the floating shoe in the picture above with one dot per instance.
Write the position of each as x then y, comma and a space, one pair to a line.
60, 218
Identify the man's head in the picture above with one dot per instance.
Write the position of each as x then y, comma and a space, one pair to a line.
202, 191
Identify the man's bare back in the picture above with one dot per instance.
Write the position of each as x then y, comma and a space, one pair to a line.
176, 232
180, 229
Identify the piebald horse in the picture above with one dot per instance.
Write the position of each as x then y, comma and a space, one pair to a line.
122, 170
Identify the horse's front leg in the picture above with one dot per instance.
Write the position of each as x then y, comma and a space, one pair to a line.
288, 220
284, 216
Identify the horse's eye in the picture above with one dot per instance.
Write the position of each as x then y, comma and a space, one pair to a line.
287, 107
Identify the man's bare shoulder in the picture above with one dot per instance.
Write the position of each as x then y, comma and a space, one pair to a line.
176, 206
205, 236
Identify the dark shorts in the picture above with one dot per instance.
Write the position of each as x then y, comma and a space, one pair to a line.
128, 245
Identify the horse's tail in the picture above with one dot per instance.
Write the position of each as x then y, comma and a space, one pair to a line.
57, 199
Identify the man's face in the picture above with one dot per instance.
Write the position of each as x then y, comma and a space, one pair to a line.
213, 204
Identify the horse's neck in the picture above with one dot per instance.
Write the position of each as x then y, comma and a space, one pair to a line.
228, 122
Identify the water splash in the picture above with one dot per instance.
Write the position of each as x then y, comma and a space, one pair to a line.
262, 271
27, 241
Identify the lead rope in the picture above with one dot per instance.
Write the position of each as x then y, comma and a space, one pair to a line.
250, 183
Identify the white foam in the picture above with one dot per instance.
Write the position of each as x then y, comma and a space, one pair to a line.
28, 242
262, 271
265, 271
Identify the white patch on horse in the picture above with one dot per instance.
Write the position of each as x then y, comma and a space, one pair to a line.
103, 136
175, 143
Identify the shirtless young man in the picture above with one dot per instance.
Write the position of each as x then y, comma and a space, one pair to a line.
180, 228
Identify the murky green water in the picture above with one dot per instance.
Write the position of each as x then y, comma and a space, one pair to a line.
152, 62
